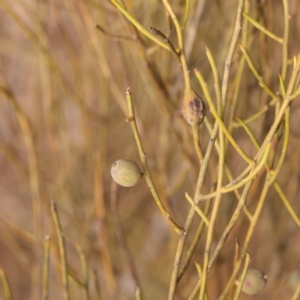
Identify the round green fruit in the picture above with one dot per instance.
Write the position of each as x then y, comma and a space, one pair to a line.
126, 172
254, 282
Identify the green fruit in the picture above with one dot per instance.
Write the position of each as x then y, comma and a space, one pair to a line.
126, 172
254, 282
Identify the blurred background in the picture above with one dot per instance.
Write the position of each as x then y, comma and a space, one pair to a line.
63, 123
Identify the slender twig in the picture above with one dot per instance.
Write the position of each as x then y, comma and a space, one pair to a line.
286, 203
195, 290
197, 208
200, 273
285, 104
216, 80
256, 74
115, 36
297, 292
160, 36
276, 171
242, 182
217, 201
213, 217
75, 280
275, 183
138, 25
138, 294
207, 155
147, 176
175, 277
183, 61
194, 243
62, 251
6, 285
243, 276
219, 120
227, 230
259, 113
228, 172
295, 94
196, 137
285, 46
236, 251
248, 235
241, 68
186, 13
84, 271
263, 29
233, 43
47, 244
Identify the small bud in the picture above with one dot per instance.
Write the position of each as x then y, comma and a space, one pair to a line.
193, 108
254, 282
126, 172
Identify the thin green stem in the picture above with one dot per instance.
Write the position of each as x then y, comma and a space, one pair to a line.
295, 94
259, 113
175, 276
206, 158
226, 232
297, 292
239, 76
220, 178
138, 25
219, 120
186, 13
285, 104
62, 251
275, 173
194, 243
197, 209
213, 217
275, 183
216, 80
138, 294
147, 176
227, 189
176, 23
286, 203
200, 273
262, 28
285, 52
228, 172
243, 276
84, 271
249, 234
6, 285
160, 36
256, 74
183, 61
231, 223
233, 43
196, 137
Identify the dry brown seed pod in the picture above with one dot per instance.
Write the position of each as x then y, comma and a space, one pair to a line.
193, 108
126, 172
254, 282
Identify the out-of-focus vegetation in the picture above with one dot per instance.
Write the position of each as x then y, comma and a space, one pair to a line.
67, 231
